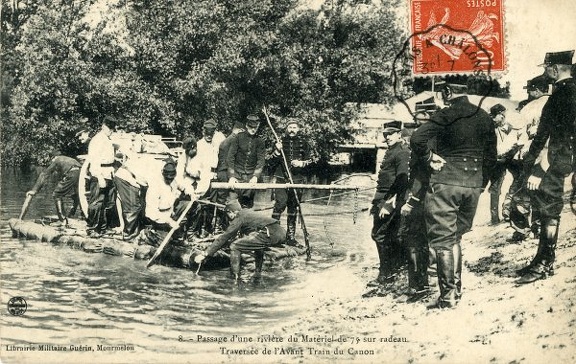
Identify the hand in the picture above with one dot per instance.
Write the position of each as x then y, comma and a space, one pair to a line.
278, 146
406, 209
30, 193
199, 258
533, 183
297, 163
214, 176
233, 180
437, 162
174, 224
383, 212
254, 179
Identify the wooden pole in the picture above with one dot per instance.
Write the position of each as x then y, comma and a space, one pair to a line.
289, 174
277, 186
172, 231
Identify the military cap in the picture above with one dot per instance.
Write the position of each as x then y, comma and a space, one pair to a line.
552, 58
291, 121
537, 83
497, 109
110, 122
392, 127
233, 205
252, 121
210, 124
189, 143
169, 169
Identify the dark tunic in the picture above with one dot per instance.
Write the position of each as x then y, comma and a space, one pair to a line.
246, 156
466, 139
68, 169
247, 222
558, 125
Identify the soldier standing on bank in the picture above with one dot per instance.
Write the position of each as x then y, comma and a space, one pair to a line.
545, 181
388, 199
298, 154
461, 164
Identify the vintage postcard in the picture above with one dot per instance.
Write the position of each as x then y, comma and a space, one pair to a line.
336, 270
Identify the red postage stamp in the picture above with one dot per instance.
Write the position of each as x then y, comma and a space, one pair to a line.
457, 36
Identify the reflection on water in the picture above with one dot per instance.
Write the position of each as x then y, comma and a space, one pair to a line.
74, 296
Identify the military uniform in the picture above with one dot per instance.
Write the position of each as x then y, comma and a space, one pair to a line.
390, 194
557, 127
296, 148
245, 159
467, 142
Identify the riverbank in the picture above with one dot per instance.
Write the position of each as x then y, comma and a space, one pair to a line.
496, 321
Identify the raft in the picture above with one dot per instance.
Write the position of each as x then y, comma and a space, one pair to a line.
176, 254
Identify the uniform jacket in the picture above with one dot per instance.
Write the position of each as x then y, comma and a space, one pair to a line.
60, 165
465, 139
246, 155
245, 222
557, 126
297, 148
392, 177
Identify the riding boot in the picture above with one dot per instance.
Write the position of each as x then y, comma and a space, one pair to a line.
417, 274
291, 230
542, 264
385, 274
457, 252
494, 200
235, 259
446, 279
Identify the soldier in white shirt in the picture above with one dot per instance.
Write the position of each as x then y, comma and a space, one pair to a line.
101, 208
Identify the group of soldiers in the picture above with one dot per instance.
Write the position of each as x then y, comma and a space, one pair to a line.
151, 201
428, 190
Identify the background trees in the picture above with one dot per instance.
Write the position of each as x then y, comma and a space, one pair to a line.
166, 66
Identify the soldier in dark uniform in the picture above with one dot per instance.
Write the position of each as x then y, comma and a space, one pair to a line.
546, 180
388, 199
298, 154
412, 224
462, 160
258, 233
246, 158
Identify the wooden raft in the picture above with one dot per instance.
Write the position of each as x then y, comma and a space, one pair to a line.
180, 256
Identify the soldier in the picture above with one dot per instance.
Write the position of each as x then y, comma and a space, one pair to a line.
101, 205
68, 170
521, 220
388, 199
546, 180
259, 232
413, 227
298, 153
460, 172
246, 159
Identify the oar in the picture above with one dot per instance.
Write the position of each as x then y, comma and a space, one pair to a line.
25, 205
167, 238
289, 174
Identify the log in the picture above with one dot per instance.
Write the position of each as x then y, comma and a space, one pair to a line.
277, 186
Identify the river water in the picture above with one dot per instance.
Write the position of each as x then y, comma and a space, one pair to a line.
81, 299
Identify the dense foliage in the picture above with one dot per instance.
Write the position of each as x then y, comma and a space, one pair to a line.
164, 67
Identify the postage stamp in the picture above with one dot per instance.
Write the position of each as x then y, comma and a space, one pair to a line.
457, 36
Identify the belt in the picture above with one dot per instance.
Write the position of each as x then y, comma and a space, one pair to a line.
107, 165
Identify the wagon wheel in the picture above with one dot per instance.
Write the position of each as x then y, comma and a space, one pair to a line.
82, 192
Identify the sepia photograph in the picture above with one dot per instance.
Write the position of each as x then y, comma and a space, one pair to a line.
288, 181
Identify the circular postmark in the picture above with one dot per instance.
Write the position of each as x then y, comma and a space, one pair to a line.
17, 306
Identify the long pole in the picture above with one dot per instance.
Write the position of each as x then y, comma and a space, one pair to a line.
276, 186
289, 174
172, 231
